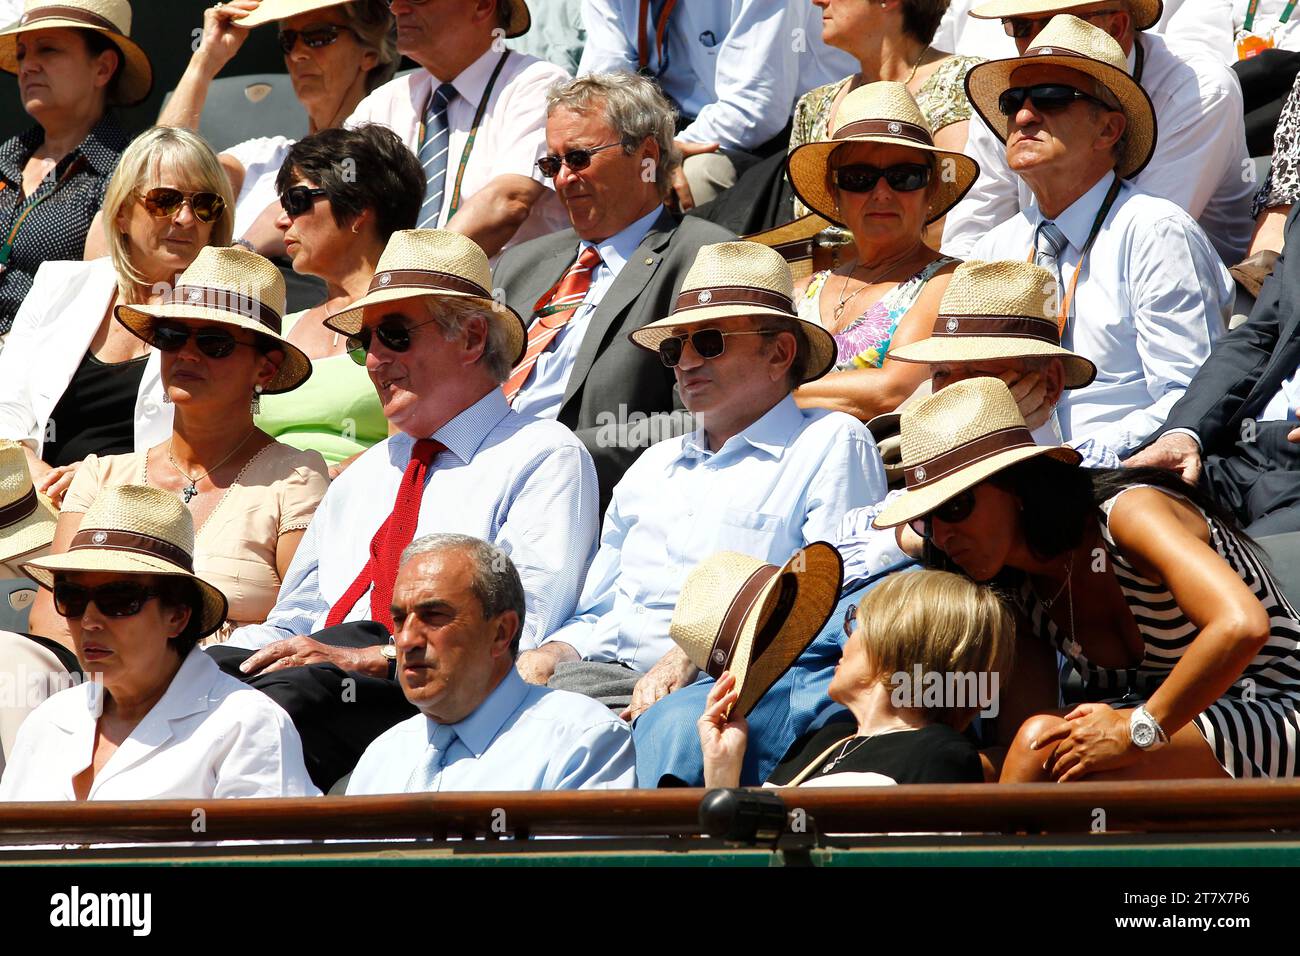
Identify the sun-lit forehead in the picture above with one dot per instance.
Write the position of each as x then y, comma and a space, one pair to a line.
167, 169
568, 129
445, 578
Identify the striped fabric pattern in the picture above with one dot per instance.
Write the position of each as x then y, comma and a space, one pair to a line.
551, 313
433, 155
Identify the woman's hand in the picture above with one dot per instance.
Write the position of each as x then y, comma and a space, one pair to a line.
56, 482
1093, 737
222, 36
722, 739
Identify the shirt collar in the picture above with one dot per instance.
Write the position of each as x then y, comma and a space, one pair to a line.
618, 248
102, 148
465, 433
1076, 222
473, 80
771, 434
479, 729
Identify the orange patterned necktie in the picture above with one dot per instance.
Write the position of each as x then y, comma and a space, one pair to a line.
552, 313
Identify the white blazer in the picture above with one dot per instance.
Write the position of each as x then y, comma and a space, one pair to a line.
50, 336
209, 736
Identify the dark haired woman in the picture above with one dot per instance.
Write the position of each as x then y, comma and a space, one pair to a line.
1188, 651
159, 720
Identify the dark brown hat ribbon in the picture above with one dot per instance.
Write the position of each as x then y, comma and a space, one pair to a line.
131, 541
1003, 326
733, 295
227, 300
941, 466
881, 127
69, 13
724, 644
426, 279
18, 510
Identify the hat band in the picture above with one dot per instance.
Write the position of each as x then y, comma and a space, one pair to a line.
941, 466
101, 540
227, 300
879, 127
796, 250
724, 644
20, 509
1059, 51
426, 279
1003, 326
733, 295
69, 13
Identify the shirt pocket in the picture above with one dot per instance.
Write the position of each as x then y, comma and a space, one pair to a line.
755, 533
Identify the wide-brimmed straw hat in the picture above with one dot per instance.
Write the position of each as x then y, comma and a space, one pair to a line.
740, 614
737, 279
1070, 42
1145, 12
135, 529
235, 287
881, 112
271, 10
794, 241
998, 310
434, 262
110, 17
955, 439
27, 518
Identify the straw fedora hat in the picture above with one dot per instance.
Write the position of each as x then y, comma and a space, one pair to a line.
881, 112
27, 518
1070, 42
740, 614
794, 241
135, 529
1145, 12
270, 10
998, 310
110, 17
740, 278
434, 262
955, 439
235, 287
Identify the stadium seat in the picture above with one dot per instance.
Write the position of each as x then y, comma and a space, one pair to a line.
16, 597
246, 107
1283, 551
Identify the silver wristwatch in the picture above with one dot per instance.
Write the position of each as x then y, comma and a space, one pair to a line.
1145, 733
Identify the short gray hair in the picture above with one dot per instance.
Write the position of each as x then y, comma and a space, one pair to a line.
451, 314
1104, 93
496, 582
634, 108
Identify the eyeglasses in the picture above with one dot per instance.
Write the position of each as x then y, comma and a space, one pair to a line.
708, 343
315, 38
214, 343
1047, 97
850, 620
163, 202
395, 336
953, 511
115, 599
902, 178
297, 200
1023, 28
575, 159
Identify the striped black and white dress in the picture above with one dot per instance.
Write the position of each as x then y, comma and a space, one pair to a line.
1254, 727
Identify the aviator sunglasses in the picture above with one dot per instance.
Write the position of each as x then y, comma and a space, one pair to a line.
315, 38
708, 344
1047, 97
575, 159
214, 343
115, 599
953, 511
297, 200
902, 178
164, 201
395, 337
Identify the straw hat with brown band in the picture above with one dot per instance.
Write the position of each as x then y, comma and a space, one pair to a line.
434, 262
110, 17
998, 310
27, 518
794, 241
235, 287
1146, 13
270, 10
881, 112
955, 439
739, 614
739, 279
135, 529
1070, 42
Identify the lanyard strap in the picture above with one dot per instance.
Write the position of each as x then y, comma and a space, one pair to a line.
1253, 7
661, 28
1063, 314
7, 248
1139, 60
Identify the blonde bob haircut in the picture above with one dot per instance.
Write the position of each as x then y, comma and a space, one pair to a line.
190, 164
944, 622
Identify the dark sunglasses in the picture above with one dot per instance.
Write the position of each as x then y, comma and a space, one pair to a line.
953, 511
395, 337
115, 599
850, 620
315, 38
1047, 97
214, 343
164, 201
708, 343
297, 200
1026, 28
902, 178
575, 159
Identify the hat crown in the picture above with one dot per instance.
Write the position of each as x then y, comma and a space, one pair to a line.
142, 510
1013, 289
706, 598
118, 12
436, 250
15, 476
237, 273
955, 416
885, 101
1066, 34
748, 264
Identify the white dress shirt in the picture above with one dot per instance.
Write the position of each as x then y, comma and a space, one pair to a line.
209, 736
261, 158
522, 737
542, 393
511, 138
524, 484
1200, 160
782, 483
1152, 297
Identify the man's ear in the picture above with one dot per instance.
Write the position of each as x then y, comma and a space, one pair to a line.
177, 619
507, 628
475, 341
1120, 25
782, 350
1111, 130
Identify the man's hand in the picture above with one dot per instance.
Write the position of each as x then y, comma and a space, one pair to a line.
1294, 434
302, 650
1174, 452
674, 670
681, 191
1030, 392
538, 665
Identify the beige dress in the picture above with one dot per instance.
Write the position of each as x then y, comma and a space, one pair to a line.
234, 549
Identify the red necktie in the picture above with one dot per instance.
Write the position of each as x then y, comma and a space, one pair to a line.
552, 313
389, 541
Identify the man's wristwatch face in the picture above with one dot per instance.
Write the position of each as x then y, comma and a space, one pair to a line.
389, 651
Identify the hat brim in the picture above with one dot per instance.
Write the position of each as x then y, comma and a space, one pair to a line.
987, 81
134, 82
212, 603
30, 533
1079, 371
272, 11
293, 371
1146, 13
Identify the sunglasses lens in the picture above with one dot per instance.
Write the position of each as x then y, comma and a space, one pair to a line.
169, 338
215, 343
907, 177
323, 36
549, 165
708, 342
288, 40
857, 179
70, 600
670, 351
163, 201
113, 600
208, 207
395, 337
956, 510
295, 200
577, 159
357, 347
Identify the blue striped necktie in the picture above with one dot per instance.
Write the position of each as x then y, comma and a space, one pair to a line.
435, 755
1049, 243
433, 155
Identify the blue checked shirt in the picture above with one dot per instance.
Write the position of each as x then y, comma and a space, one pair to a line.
526, 485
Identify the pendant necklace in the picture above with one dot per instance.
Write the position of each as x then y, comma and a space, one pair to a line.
188, 493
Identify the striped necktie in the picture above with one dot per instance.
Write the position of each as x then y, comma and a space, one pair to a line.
552, 313
425, 773
433, 155
1049, 243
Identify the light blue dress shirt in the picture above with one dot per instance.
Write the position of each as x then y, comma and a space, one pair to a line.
522, 737
1152, 298
782, 483
542, 393
522, 483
